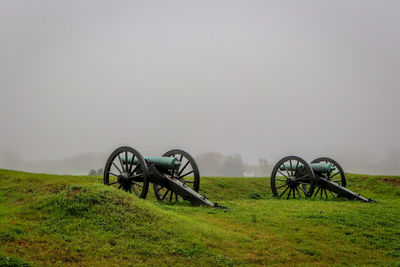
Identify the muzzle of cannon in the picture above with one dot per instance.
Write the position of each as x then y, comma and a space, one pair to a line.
294, 177
175, 175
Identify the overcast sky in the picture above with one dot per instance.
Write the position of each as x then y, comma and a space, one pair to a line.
258, 78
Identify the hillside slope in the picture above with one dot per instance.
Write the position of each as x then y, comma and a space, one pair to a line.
76, 220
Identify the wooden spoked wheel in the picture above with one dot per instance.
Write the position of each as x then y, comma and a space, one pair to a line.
292, 177
127, 169
188, 173
337, 175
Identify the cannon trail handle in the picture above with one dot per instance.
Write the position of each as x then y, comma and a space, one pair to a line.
188, 193
343, 191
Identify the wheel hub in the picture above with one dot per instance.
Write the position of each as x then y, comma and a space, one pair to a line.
291, 182
123, 179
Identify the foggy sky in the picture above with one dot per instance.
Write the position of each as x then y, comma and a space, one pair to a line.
258, 78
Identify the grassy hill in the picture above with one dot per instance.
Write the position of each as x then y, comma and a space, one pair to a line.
50, 220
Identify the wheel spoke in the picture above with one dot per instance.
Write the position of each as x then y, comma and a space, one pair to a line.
330, 177
112, 174
281, 186
134, 190
135, 169
170, 197
136, 183
159, 188
304, 191
299, 172
130, 165
284, 192
290, 190
180, 177
136, 176
331, 193
276, 179
120, 161
291, 168
165, 194
184, 167
298, 192
286, 169
126, 160
115, 165
283, 174
112, 183
303, 183
176, 197
316, 193
326, 195
302, 177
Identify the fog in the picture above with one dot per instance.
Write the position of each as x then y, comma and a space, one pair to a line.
262, 79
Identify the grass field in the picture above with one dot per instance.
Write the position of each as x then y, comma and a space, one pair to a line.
50, 220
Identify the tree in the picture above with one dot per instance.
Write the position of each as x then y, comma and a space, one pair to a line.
210, 163
264, 169
98, 172
216, 164
233, 166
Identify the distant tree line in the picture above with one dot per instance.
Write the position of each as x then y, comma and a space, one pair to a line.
96, 172
262, 169
217, 164
211, 164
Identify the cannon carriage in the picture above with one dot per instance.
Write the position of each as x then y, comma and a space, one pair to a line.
175, 175
293, 177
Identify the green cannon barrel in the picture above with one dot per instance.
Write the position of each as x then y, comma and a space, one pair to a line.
322, 167
316, 167
163, 162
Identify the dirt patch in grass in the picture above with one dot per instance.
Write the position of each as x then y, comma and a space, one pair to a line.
2, 177
391, 181
55, 188
121, 201
73, 192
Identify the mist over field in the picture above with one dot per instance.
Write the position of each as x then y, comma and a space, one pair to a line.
258, 79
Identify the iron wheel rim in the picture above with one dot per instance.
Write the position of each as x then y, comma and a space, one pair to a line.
300, 180
127, 176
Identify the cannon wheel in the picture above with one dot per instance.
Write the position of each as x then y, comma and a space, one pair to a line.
188, 167
297, 180
337, 176
127, 176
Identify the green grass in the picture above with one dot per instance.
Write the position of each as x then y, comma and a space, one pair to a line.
50, 220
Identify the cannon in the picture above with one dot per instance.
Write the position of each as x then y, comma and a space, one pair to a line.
174, 176
293, 177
